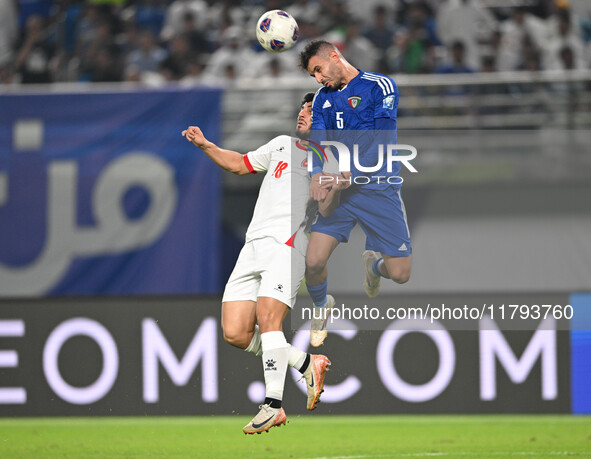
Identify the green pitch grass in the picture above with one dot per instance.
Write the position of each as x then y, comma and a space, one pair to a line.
310, 436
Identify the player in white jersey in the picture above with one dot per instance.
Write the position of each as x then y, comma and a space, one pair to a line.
263, 286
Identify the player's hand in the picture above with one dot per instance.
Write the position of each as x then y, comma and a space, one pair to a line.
344, 181
338, 182
318, 190
194, 134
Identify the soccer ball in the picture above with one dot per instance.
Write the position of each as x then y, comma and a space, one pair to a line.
277, 31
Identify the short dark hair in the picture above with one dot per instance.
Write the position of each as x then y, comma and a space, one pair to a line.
311, 50
307, 98
458, 45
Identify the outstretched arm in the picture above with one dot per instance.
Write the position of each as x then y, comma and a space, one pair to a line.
232, 161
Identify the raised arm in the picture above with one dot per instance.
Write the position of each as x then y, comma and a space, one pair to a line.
230, 160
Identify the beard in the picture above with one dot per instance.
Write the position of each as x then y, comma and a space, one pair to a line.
303, 134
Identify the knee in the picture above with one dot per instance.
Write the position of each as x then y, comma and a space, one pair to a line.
268, 321
400, 275
314, 264
238, 338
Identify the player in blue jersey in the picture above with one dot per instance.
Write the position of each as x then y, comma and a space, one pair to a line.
351, 103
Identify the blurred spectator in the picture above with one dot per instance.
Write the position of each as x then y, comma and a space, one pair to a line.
396, 54
7, 75
227, 77
567, 58
468, 22
223, 14
235, 52
422, 38
105, 67
488, 64
530, 56
513, 32
148, 56
306, 10
458, 62
33, 60
194, 74
132, 74
493, 48
28, 8
359, 50
559, 8
207, 40
176, 13
86, 28
196, 38
381, 31
102, 41
364, 11
175, 66
565, 39
410, 53
337, 14
149, 15
8, 31
129, 39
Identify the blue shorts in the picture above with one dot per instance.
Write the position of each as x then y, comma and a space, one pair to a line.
380, 214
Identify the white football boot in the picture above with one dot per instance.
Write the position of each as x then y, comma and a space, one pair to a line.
371, 283
320, 316
268, 417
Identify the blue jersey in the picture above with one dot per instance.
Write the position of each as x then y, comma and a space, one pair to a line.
359, 106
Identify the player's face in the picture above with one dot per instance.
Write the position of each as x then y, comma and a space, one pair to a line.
304, 121
325, 71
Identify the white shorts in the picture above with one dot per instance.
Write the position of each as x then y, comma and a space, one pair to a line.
266, 267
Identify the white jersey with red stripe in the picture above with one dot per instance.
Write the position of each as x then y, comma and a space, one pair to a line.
282, 204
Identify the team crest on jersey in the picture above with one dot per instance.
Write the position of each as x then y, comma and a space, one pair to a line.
305, 163
354, 101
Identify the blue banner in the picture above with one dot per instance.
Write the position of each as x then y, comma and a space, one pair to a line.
100, 194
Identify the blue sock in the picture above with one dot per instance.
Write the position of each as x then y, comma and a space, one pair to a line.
376, 267
318, 293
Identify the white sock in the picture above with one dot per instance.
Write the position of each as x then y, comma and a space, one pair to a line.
296, 357
275, 356
255, 344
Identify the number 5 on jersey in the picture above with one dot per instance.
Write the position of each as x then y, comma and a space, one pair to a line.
281, 166
340, 121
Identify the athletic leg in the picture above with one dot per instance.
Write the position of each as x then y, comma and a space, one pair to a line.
395, 268
320, 248
239, 322
270, 313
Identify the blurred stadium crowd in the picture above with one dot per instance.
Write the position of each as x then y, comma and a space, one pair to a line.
207, 41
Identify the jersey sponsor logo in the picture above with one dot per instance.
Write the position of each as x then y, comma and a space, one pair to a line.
279, 288
354, 101
305, 163
281, 166
326, 104
388, 102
